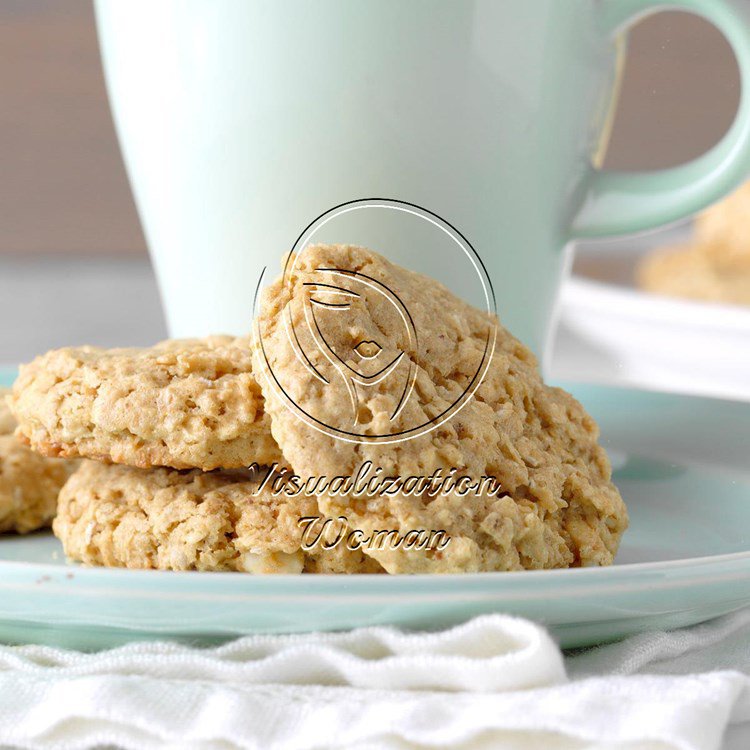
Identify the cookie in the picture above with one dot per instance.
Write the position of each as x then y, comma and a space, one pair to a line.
465, 397
120, 516
688, 271
723, 233
7, 420
29, 483
185, 404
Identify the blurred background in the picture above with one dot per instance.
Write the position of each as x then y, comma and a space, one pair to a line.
65, 204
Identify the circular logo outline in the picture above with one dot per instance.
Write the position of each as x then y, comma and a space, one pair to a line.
489, 293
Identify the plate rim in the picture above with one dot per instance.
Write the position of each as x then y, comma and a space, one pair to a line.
582, 291
76, 571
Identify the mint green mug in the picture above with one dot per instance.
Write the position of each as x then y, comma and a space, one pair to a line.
240, 122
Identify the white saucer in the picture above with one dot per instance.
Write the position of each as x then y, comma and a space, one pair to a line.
612, 333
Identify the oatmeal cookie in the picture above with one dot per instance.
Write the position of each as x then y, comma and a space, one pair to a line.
690, 272
29, 483
191, 403
120, 516
7, 420
723, 234
341, 319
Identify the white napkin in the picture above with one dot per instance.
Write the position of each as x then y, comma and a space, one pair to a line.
495, 682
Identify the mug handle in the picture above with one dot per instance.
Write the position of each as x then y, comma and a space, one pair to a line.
617, 203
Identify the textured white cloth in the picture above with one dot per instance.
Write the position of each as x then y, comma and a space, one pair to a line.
495, 682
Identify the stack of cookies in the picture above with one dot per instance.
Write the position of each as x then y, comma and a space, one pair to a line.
183, 443
716, 266
168, 435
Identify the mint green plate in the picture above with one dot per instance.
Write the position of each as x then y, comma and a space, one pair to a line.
681, 464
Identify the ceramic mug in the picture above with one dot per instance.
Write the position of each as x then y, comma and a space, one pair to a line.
242, 121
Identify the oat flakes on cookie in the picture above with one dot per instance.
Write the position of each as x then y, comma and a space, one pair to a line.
191, 403
29, 483
354, 353
120, 516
